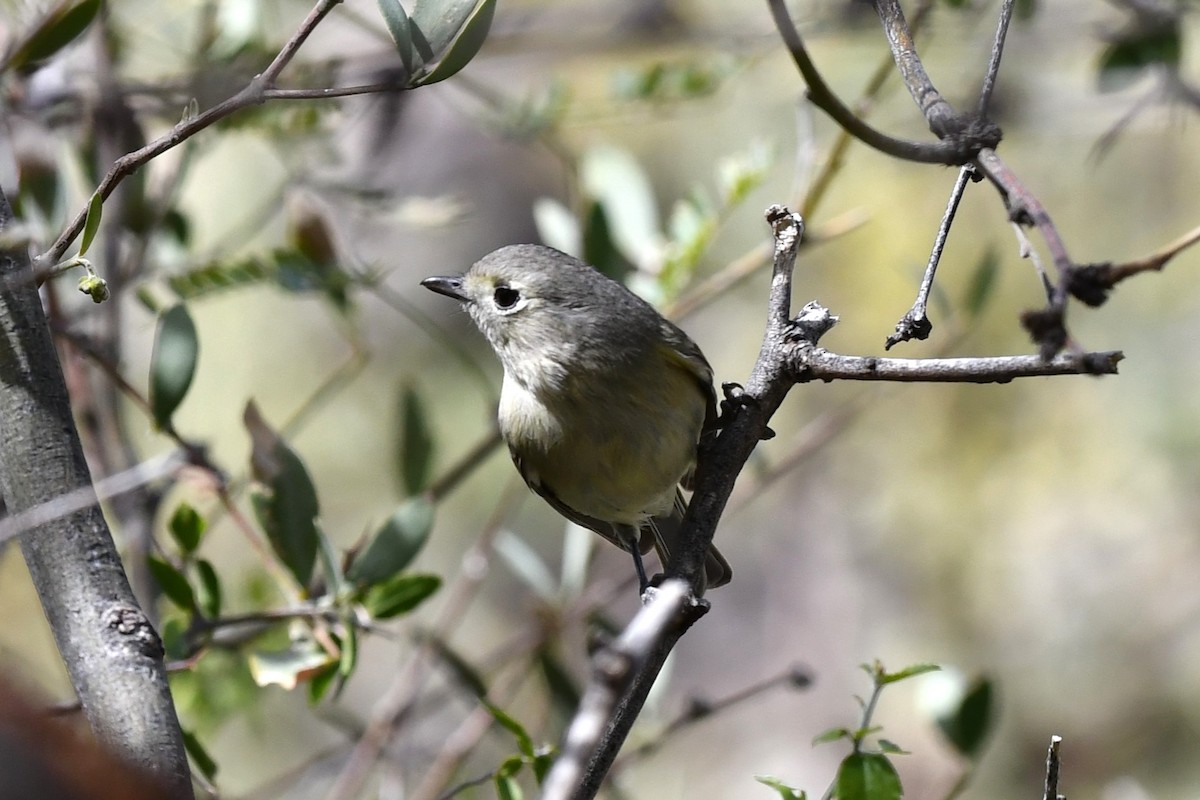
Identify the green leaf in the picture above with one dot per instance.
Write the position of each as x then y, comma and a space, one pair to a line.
173, 363
473, 34
967, 726
399, 595
209, 591
58, 29
400, 28
321, 682
507, 788
174, 584
884, 678
186, 527
92, 223
599, 249
1126, 58
416, 442
395, 544
287, 509
524, 741
785, 791
867, 776
543, 760
831, 735
199, 755
174, 638
890, 747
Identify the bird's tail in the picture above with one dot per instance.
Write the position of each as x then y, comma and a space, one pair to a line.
667, 531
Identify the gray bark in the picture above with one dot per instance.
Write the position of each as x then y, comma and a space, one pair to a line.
113, 655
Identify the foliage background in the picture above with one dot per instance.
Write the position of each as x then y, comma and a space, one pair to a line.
1043, 533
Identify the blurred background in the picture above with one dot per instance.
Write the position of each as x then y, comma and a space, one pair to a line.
1043, 534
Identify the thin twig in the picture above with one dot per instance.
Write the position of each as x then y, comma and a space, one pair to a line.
993, 68
253, 93
1156, 260
64, 505
823, 97
915, 323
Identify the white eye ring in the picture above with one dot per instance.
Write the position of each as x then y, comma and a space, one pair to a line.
507, 299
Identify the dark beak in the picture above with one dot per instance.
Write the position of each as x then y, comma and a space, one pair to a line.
449, 285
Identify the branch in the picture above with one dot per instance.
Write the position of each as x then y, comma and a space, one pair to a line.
811, 363
824, 98
614, 670
1052, 765
111, 652
260, 89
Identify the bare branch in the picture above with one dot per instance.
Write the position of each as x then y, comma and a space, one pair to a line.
915, 323
1052, 765
613, 671
824, 98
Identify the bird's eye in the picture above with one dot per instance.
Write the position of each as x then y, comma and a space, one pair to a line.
506, 297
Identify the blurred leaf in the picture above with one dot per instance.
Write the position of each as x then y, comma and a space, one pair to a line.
39, 183
564, 692
173, 363
288, 508
174, 584
599, 249
526, 564
223, 275
967, 726
524, 741
321, 682
349, 645
741, 173
1025, 9
416, 442
92, 223
890, 747
543, 760
982, 284
209, 593
174, 638
399, 595
299, 273
1139, 48
867, 776
61, 26
507, 787
785, 792
396, 544
302, 661
831, 735
186, 527
473, 34
908, 672
463, 672
614, 179
558, 228
288, 268
199, 755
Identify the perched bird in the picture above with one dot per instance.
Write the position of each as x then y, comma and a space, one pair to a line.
603, 402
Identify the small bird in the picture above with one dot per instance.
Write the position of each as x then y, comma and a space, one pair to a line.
603, 402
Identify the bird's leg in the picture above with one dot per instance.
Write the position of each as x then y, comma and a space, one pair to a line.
630, 540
